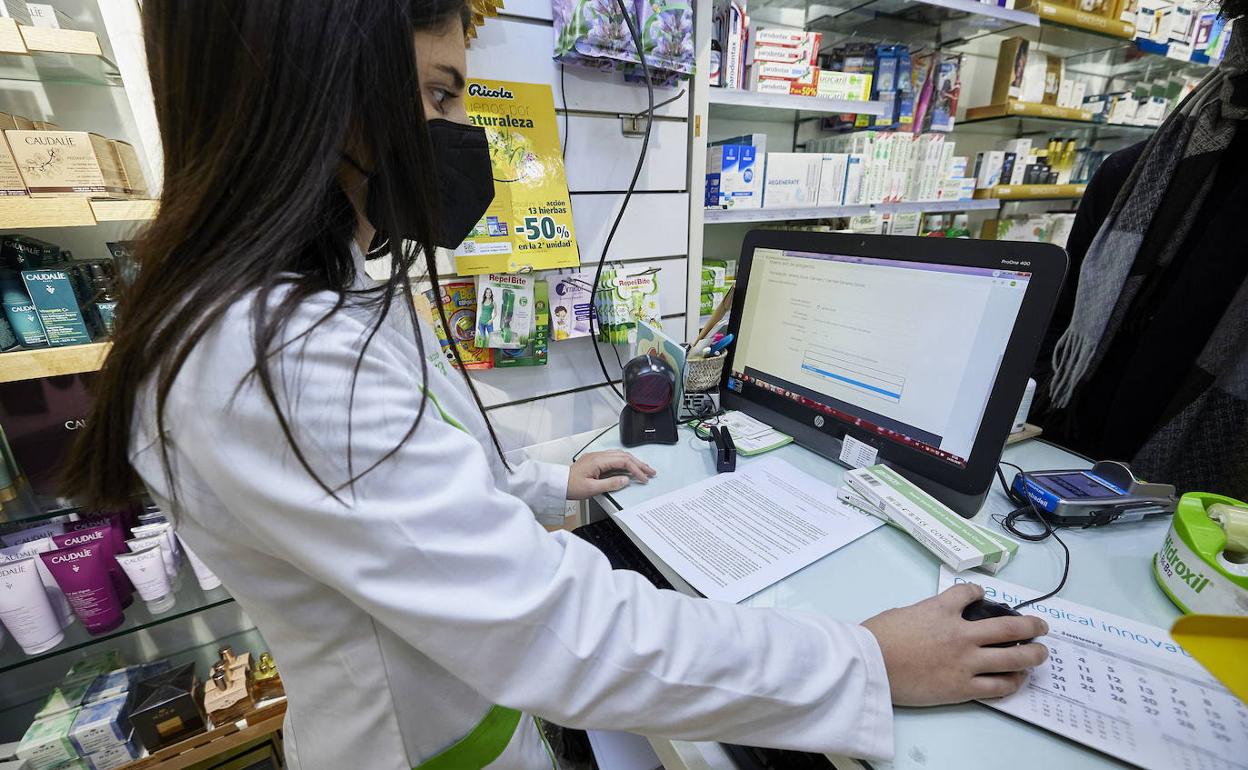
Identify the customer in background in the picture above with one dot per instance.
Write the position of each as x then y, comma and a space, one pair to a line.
1152, 362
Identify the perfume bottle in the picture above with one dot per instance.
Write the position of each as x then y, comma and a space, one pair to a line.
266, 681
227, 695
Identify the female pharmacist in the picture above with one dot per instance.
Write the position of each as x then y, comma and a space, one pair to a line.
321, 457
1153, 366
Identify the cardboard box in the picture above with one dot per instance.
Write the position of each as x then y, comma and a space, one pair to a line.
52, 292
833, 177
1052, 79
988, 167
735, 170
168, 708
1012, 57
11, 182
102, 726
46, 743
114, 757
131, 168
853, 179
855, 86
56, 163
792, 179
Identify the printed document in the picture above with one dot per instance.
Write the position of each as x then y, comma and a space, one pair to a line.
1122, 687
734, 534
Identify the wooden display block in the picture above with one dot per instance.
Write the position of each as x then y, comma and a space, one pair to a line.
258, 724
11, 38
124, 211
1015, 108
52, 40
1032, 192
51, 362
1072, 17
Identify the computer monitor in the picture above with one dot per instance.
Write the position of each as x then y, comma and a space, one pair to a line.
920, 347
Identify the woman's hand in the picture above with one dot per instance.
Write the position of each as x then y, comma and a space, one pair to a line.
933, 656
598, 472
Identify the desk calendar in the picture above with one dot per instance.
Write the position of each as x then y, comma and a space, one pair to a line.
1122, 687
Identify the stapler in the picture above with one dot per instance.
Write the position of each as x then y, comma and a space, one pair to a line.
724, 449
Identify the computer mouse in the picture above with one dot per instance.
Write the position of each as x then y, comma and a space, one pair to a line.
982, 609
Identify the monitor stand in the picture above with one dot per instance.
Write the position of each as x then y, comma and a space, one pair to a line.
809, 437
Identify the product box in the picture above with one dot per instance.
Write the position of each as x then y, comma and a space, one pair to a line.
1035, 77
1053, 69
114, 757
905, 223
90, 668
54, 299
64, 697
833, 176
1011, 66
46, 743
168, 708
734, 176
46, 15
102, 725
855, 86
853, 179
131, 168
54, 163
988, 167
1152, 21
868, 224
11, 182
536, 351
792, 179
958, 543
110, 685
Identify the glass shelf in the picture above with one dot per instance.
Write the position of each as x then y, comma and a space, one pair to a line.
203, 656
930, 22
741, 104
729, 216
190, 600
85, 69
1022, 126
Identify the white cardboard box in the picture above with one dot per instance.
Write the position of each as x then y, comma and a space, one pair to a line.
792, 179
833, 176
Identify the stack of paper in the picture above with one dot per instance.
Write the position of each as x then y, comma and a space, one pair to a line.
960, 544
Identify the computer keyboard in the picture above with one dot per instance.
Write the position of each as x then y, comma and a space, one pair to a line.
752, 758
607, 537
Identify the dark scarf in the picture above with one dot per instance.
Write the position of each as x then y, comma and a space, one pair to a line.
1205, 444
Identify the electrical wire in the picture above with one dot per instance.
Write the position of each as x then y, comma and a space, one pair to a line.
1027, 507
601, 433
632, 185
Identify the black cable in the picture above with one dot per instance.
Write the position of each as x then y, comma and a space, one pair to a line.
632, 185
563, 97
1027, 507
601, 433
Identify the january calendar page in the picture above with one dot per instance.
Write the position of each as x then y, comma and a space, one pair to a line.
1122, 687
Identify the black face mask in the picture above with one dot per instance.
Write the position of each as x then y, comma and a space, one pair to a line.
465, 185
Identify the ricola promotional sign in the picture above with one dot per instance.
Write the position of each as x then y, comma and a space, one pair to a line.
529, 224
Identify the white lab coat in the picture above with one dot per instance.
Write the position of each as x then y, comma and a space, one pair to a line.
399, 615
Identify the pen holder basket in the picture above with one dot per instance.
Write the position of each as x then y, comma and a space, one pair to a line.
703, 374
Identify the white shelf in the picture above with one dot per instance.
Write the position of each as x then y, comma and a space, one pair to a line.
730, 216
751, 105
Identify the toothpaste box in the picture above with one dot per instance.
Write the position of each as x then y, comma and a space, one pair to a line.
833, 176
843, 85
958, 543
734, 178
792, 179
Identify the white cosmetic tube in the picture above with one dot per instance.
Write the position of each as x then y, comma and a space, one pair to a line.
165, 530
207, 580
146, 569
60, 605
25, 610
143, 543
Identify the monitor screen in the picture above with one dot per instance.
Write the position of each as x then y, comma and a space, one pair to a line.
908, 351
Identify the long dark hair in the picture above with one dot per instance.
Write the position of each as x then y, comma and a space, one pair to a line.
257, 102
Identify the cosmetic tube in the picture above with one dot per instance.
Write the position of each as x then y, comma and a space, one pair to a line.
21, 536
146, 569
165, 530
82, 573
56, 597
25, 610
104, 535
112, 520
143, 543
207, 580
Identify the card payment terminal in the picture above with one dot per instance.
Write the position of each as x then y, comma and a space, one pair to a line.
1107, 493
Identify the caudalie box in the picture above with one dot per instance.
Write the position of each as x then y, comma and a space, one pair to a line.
56, 163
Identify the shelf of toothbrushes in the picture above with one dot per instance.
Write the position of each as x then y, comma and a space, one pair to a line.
731, 216
190, 601
751, 105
